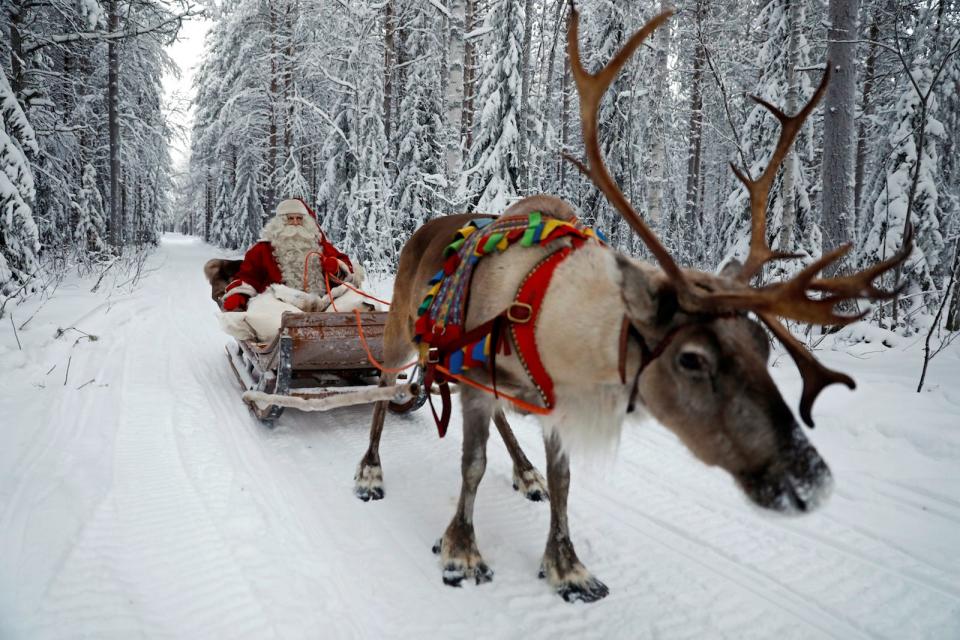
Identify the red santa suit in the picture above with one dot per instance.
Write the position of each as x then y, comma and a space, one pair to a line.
280, 255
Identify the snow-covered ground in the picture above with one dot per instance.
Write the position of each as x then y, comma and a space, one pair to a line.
139, 498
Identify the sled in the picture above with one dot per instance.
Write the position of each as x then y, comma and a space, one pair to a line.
318, 362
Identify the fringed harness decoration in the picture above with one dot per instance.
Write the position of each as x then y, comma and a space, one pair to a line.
444, 341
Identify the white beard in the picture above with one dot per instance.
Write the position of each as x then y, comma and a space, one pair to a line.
291, 244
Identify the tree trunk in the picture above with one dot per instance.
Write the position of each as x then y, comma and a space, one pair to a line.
790, 165
288, 89
564, 120
866, 109
524, 111
469, 76
16, 47
839, 142
208, 205
695, 133
271, 177
455, 91
113, 116
389, 52
657, 128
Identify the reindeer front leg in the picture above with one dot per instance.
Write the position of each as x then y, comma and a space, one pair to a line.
368, 481
561, 567
458, 547
397, 345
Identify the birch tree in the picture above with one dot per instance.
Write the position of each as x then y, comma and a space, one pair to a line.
839, 134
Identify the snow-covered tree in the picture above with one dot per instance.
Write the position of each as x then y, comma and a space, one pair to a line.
884, 233
420, 180
91, 219
492, 168
246, 218
791, 221
19, 238
293, 184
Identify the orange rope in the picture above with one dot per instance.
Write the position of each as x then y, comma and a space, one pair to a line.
532, 408
326, 278
352, 288
373, 361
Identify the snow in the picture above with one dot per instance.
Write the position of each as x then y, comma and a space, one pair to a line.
138, 497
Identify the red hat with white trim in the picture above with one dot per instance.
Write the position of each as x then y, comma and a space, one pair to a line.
286, 207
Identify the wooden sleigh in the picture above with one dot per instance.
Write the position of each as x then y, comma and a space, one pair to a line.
319, 361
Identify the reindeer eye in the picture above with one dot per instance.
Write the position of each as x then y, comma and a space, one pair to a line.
692, 361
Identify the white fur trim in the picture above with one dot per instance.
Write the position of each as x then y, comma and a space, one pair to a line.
291, 206
242, 288
265, 313
235, 324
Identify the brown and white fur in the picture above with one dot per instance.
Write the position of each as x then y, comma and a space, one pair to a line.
710, 386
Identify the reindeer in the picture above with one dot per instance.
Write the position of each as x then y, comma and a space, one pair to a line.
697, 362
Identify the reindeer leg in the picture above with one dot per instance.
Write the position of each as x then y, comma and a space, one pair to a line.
560, 565
458, 547
368, 480
526, 479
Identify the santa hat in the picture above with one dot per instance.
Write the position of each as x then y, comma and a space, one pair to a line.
295, 205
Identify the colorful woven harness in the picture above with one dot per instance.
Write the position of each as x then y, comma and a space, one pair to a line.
445, 342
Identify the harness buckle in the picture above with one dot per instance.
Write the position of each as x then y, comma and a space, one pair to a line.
433, 355
526, 312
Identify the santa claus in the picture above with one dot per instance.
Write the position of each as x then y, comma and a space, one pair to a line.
292, 251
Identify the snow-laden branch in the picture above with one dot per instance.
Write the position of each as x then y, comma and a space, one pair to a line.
103, 36
324, 115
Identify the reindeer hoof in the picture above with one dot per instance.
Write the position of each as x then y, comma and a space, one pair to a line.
590, 590
455, 573
531, 484
461, 562
369, 494
368, 482
437, 546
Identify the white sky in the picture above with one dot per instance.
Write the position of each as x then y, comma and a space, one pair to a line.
178, 92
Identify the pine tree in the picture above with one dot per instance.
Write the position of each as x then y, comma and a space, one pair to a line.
19, 238
91, 219
492, 169
247, 216
293, 184
884, 235
420, 179
784, 24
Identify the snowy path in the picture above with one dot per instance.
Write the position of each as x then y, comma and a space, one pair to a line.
149, 503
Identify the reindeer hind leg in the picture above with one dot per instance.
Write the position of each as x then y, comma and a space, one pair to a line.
458, 547
526, 479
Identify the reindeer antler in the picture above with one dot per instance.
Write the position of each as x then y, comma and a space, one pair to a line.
591, 88
759, 189
804, 297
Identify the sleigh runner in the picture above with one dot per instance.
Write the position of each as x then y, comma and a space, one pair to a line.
317, 362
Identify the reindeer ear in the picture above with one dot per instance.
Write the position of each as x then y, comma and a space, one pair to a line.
649, 298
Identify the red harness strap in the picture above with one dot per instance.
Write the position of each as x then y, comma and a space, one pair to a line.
529, 300
521, 317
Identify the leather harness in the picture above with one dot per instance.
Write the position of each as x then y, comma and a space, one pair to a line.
521, 320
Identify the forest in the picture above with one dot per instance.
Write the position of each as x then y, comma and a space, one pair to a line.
383, 115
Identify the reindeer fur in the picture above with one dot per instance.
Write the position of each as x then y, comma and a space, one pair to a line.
726, 409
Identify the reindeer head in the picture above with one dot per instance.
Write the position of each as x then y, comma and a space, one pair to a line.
704, 373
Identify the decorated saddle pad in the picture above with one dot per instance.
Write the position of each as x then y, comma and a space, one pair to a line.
443, 310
